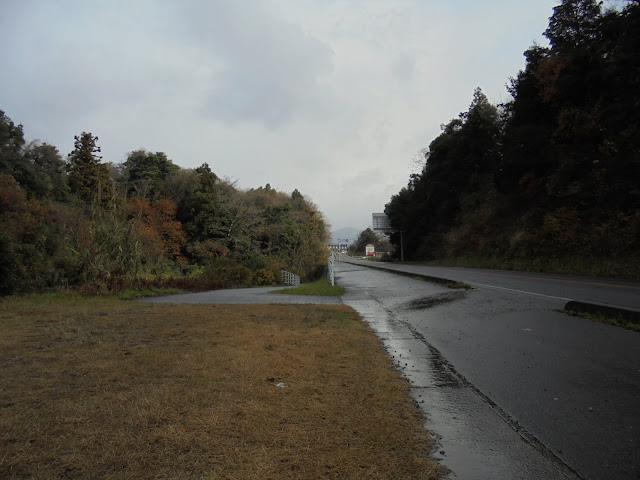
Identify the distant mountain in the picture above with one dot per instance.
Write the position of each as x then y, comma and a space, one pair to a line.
349, 233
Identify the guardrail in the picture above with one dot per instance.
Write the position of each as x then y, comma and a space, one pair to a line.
330, 274
289, 278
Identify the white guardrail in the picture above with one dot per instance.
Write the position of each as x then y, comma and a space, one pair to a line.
330, 273
289, 278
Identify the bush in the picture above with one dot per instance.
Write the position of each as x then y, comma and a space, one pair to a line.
8, 268
251, 260
263, 276
317, 273
228, 273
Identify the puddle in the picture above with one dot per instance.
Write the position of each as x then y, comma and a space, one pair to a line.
438, 299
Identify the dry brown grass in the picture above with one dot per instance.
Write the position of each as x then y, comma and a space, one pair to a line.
108, 389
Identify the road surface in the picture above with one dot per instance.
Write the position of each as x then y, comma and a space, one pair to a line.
512, 387
562, 287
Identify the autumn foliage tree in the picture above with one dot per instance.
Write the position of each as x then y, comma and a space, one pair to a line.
161, 234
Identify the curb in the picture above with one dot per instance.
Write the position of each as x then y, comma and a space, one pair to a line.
627, 314
438, 280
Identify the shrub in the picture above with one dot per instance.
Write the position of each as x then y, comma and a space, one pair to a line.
263, 276
228, 273
252, 260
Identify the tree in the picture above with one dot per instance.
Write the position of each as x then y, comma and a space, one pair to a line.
31, 234
11, 142
296, 195
527, 154
49, 168
459, 163
147, 172
88, 177
369, 237
574, 24
12, 158
198, 212
160, 232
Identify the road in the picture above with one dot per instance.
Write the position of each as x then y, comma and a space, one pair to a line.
512, 388
563, 287
243, 295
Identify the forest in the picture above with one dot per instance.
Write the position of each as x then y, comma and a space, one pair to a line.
550, 180
97, 227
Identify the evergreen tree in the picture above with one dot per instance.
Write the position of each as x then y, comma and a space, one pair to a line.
11, 143
88, 176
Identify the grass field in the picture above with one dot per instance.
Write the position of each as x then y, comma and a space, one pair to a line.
94, 388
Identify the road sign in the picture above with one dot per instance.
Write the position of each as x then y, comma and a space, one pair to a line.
380, 223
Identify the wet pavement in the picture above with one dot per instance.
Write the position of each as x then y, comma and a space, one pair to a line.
475, 438
510, 387
612, 292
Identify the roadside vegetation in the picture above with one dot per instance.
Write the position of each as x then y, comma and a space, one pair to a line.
568, 265
608, 319
98, 227
549, 179
626, 318
366, 237
103, 388
320, 287
131, 294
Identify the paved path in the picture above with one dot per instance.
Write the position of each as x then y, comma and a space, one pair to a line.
245, 295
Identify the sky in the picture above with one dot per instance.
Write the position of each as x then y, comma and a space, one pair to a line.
334, 98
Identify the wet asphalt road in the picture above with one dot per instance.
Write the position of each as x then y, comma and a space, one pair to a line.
611, 292
511, 387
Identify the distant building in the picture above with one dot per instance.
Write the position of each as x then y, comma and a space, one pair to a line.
338, 247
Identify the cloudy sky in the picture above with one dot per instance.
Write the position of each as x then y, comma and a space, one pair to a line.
334, 98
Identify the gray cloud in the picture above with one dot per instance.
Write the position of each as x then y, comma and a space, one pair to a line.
331, 97
264, 69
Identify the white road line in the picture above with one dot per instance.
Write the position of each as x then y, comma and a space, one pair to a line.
519, 291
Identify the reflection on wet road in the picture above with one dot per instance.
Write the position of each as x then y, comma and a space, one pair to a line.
510, 388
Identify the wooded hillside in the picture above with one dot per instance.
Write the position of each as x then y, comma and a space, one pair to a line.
550, 179
80, 222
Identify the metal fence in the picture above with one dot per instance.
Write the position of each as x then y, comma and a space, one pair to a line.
289, 278
330, 273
